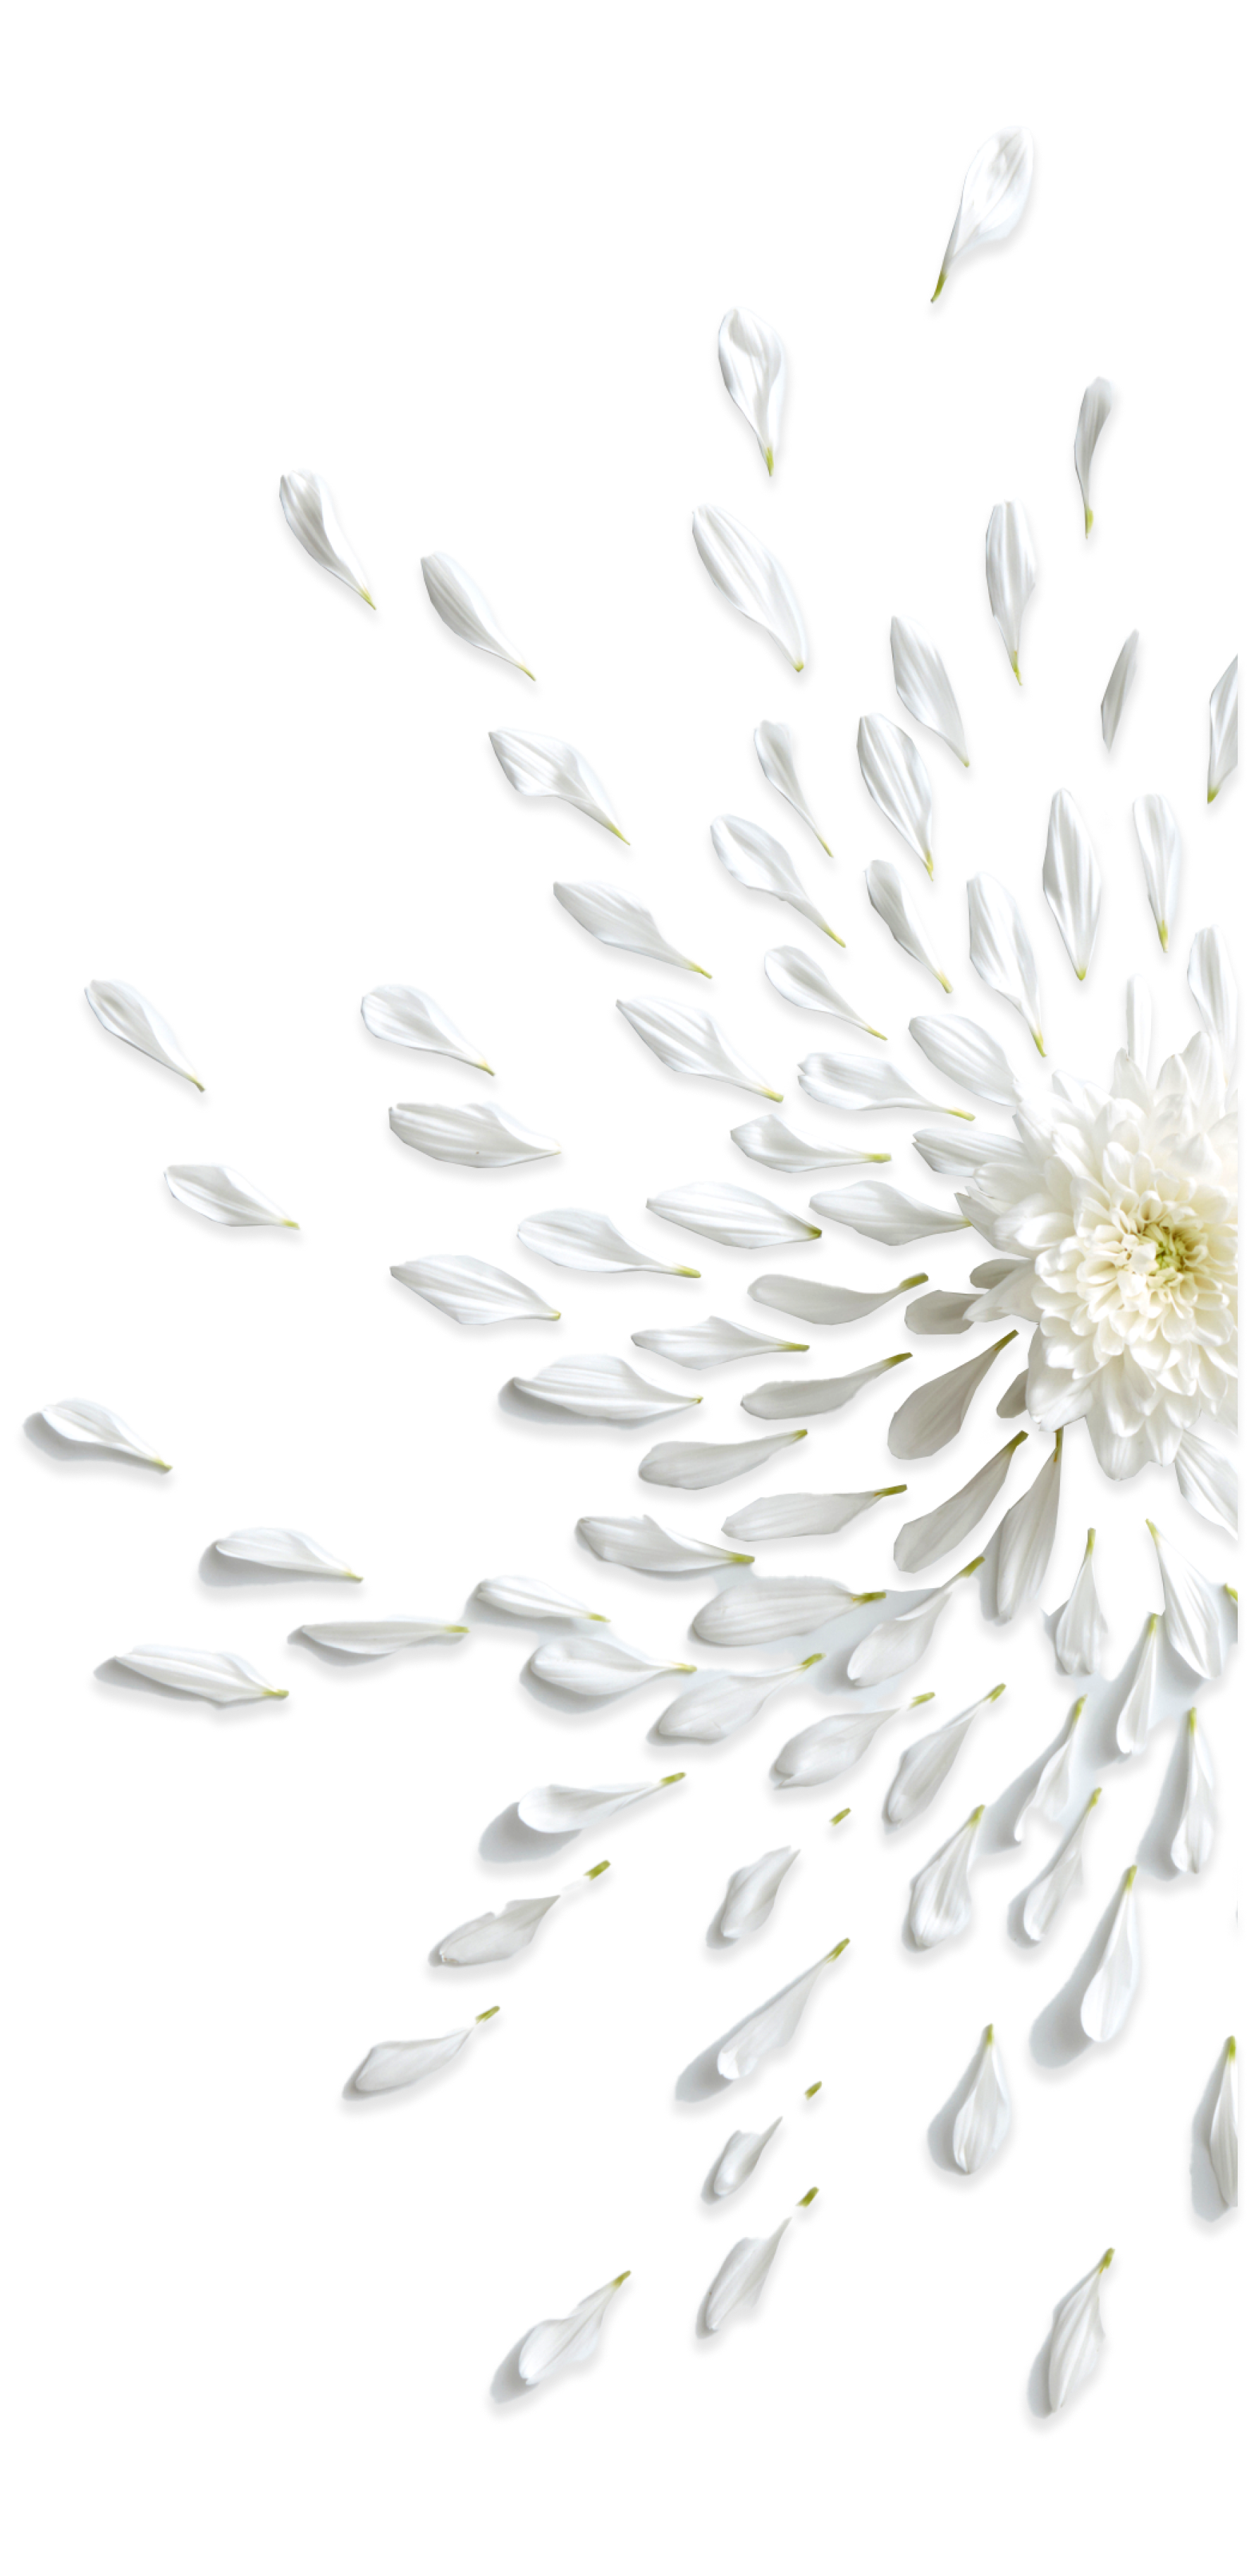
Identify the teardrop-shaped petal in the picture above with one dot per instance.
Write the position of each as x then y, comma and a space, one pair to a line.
559, 2341
1001, 950
775, 746
885, 1215
91, 1427
285, 1551
477, 1134
1050, 1795
126, 1015
896, 778
726, 1214
928, 1762
599, 1388
1225, 2132
922, 682
311, 516
864, 1081
965, 1053
784, 1397
472, 1291
740, 2278
1025, 1537
709, 1345
396, 2063
897, 1642
1139, 1685
1094, 413
539, 764
832, 1745
1081, 1633
888, 897
225, 1680
801, 980
491, 1937
737, 2160
1158, 838
769, 1141
984, 2114
920, 1542
216, 1190
619, 922
1072, 881
751, 1894
751, 579
950, 1153
556, 1808
771, 2025
817, 1304
408, 1018
1015, 1400
714, 1706
1107, 1997
764, 865
695, 1464
1212, 983
803, 1515
368, 1640
943, 1310
1010, 570
1194, 1835
752, 363
590, 1665
764, 1608
1224, 728
692, 1042
1193, 1623
940, 1905
995, 192
519, 1596
1206, 1478
647, 1549
1117, 687
582, 1239
466, 610
1048, 1892
1077, 2337
934, 1413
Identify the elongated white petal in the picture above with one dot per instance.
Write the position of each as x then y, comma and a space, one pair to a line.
1193, 1841
1015, 1400
1140, 1689
922, 682
1192, 1605
518, 1596
752, 1892
216, 1190
589, 1665
1107, 1997
285, 1551
965, 1053
581, 1239
92, 1427
817, 1304
367, 1640
1077, 2339
1094, 413
949, 1152
1212, 983
832, 1745
751, 579
726, 1214
936, 1534
775, 746
466, 610
1025, 1538
478, 1134
1117, 687
1158, 838
558, 1809
784, 1397
692, 1042
803, 1515
863, 1081
740, 2278
472, 1291
769, 1141
396, 2063
1010, 570
934, 1413
408, 1018
940, 1905
714, 1706
943, 1310
1072, 881
764, 865
311, 516
619, 922
710, 1345
1081, 1634
599, 1388
995, 192
641, 1544
771, 2025
885, 1215
1001, 950
737, 2160
1223, 729
752, 363
1206, 1478
925, 1764
560, 2341
695, 1464
1050, 1795
491, 1937
126, 1015
1224, 2132
226, 1680
801, 980
896, 1643
889, 898
895, 777
1048, 1892
539, 764
984, 2115
764, 1607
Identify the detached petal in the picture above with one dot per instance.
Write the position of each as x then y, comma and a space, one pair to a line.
1051, 1795
466, 610
925, 1764
557, 1809
800, 980
895, 777
741, 2277
1193, 1622
1117, 687
751, 1894
965, 1053
716, 1705
1223, 729
1076, 2342
940, 1905
1194, 1836
517, 1596
1049, 1891
737, 2160
1136, 1710
817, 1304
920, 1542
764, 866
893, 1645
285, 1551
695, 1464
726, 1214
396, 2063
1225, 2132
581, 1239
587, 1665
1094, 414
412, 1019
1081, 1634
764, 1608
1158, 838
1072, 881
922, 683
870, 1081
471, 1291
832, 1745
83, 1425
803, 1515
618, 922
934, 1414
984, 2115
751, 579
888, 897
539, 764
995, 192
310, 515
775, 746
224, 1680
769, 1141
1010, 570
560, 2341
126, 1015
1212, 983
710, 1345
368, 1640
752, 363
479, 1135
1107, 1998
1001, 950
692, 1042
783, 1397
491, 1937
772, 2025
1025, 1538
885, 1215
1206, 1478
599, 1389
216, 1190
648, 1549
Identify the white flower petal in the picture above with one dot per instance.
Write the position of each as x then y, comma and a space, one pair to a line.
1050, 1795
995, 192
396, 2063
832, 1745
1192, 1608
709, 1345
1025, 1538
599, 1388
1049, 1891
716, 1705
692, 1042
539, 764
466, 610
1015, 1400
1158, 838
310, 515
784, 1397
642, 1545
897, 1642
1206, 1478
1223, 729
863, 1081
1072, 881
1094, 413
817, 1304
775, 746
751, 1894
1077, 2338
922, 682
471, 1291
949, 1153
216, 1190
367, 1640
557, 1809
940, 1905
885, 1215
752, 363
1010, 570
1081, 1633
1001, 950
984, 2114
751, 579
771, 2025
1108, 1995
943, 1310
1139, 1682
618, 922
740, 2278
126, 1015
764, 865
478, 1134
926, 1763
765, 1607
412, 1019
769, 1141
589, 1665
934, 1413
84, 1425
559, 2341
518, 1596
895, 777
1212, 984
225, 1680
803, 1515
889, 898
695, 1464
492, 1937
1194, 1835
285, 1551
801, 980
737, 2160
965, 1053
1117, 687
726, 1214
921, 1541
582, 1239
1225, 2132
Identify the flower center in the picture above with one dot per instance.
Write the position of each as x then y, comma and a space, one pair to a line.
1173, 1251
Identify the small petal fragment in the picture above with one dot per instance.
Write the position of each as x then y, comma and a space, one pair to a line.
1194, 1836
803, 1515
1206, 1478
126, 1015
764, 865
710, 1345
716, 1705
589, 1666
479, 1135
751, 579
801, 980
539, 764
922, 682
518, 1596
1001, 950
751, 1894
618, 922
368, 1640
763, 1608
560, 2341
1136, 1709
772, 2025
412, 1019
92, 1427
310, 515
995, 192
582, 1239
885, 1215
984, 2115
737, 2160
1094, 413
472, 1291
1117, 687
1225, 2132
599, 1388
695, 1464
1025, 1537
775, 746
1108, 1995
943, 1310
642, 1545
965, 1053
1212, 983
895, 777
1193, 1623
726, 1214
1010, 570
558, 1809
928, 1762
752, 363
770, 1142
1081, 1634
1072, 881
1047, 1894
864, 1081
784, 1397
934, 1414
1158, 838
285, 1551
466, 610
888, 897
216, 1190
225, 1680
1076, 2342
692, 1042
1223, 729
940, 1904
817, 1304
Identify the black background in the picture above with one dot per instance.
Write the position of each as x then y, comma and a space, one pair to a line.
292, 810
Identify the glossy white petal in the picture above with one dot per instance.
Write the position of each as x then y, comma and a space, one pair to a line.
582, 1239
1001, 950
518, 1596
943, 1310
692, 1042
619, 922
1194, 1835
896, 1643
895, 777
752, 363
560, 2341
1094, 413
491, 1937
995, 192
311, 516
1077, 2339
92, 1427
965, 1053
126, 1015
1224, 2132
769, 1141
1081, 1634
1117, 687
695, 1464
1072, 881
752, 1892
726, 1214
1025, 1538
949, 1152
772, 2025
803, 1515
801, 980
1048, 1893
1212, 983
925, 1764
775, 746
558, 1809
647, 1549
466, 610
709, 1345
599, 1388
285, 1551
764, 865
1158, 838
751, 579
1192, 1606
922, 682
216, 1190
817, 1304
889, 898
1223, 729
1107, 1997
367, 1640
396, 2063
934, 1414
940, 1905
832, 1745
1050, 1795
737, 2160
740, 2278
863, 1081
785, 1397
984, 2115
1136, 1711
716, 1705
920, 1542
478, 1134
589, 1665
1206, 1478
885, 1215
1010, 570
763, 1608
471, 1291
226, 1680
539, 764
408, 1018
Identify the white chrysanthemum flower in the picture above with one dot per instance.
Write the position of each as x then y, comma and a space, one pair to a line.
1121, 1210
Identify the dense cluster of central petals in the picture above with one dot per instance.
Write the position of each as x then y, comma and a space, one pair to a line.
1118, 1210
